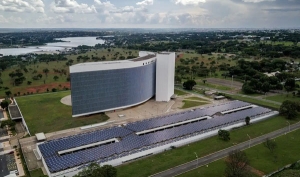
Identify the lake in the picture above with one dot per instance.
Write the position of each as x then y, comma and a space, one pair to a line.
56, 46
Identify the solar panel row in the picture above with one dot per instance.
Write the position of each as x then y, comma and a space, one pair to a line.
132, 143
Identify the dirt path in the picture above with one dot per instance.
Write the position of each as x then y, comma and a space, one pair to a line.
255, 171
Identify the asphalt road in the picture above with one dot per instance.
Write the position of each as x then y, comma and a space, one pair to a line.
223, 153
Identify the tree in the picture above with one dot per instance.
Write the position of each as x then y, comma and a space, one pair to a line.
29, 82
224, 134
247, 120
203, 81
55, 78
46, 71
265, 87
8, 93
189, 84
237, 164
290, 84
289, 109
4, 104
271, 145
94, 170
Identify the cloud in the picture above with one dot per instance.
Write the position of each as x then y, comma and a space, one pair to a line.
22, 6
145, 3
257, 1
3, 19
72, 6
282, 9
189, 2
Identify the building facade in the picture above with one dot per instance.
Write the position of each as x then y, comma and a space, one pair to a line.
106, 86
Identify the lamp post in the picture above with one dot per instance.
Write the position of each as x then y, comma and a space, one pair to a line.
249, 140
289, 126
197, 158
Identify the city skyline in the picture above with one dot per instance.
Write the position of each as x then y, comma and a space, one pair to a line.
150, 14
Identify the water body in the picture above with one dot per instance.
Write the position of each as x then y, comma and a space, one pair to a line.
56, 46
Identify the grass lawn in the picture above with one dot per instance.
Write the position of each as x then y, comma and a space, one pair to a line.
180, 155
179, 92
190, 104
288, 173
260, 102
215, 169
37, 173
196, 98
213, 86
282, 97
261, 158
287, 152
45, 113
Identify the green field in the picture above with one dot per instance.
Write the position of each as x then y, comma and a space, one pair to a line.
260, 158
180, 155
213, 169
190, 104
45, 113
285, 43
287, 152
281, 98
196, 98
259, 102
47, 81
213, 86
37, 173
179, 92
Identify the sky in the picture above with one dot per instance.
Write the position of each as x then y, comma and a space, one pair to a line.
150, 14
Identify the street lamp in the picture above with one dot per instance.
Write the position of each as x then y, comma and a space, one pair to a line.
289, 125
197, 158
249, 140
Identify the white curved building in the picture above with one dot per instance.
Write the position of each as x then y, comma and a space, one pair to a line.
105, 86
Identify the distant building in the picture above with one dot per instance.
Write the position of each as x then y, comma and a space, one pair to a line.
272, 73
106, 86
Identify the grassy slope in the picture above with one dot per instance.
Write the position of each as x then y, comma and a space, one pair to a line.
169, 159
45, 113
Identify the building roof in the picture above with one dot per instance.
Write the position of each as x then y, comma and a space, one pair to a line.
142, 58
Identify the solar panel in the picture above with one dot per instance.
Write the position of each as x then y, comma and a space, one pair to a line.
130, 143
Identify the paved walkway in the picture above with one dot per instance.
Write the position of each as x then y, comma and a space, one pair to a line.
223, 153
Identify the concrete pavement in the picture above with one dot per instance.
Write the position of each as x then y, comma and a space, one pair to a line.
223, 153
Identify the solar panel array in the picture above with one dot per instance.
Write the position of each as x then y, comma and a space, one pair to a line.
131, 143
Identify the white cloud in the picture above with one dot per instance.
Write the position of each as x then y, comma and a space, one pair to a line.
145, 3
189, 2
22, 6
72, 6
257, 1
3, 19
